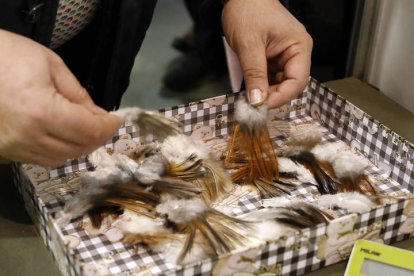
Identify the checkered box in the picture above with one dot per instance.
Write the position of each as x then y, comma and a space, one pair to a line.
77, 252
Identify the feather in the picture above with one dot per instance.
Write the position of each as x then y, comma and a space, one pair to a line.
191, 162
151, 169
177, 149
98, 214
268, 189
125, 196
221, 233
350, 170
322, 172
328, 152
149, 122
290, 169
353, 202
176, 187
251, 153
306, 136
193, 218
302, 215
141, 229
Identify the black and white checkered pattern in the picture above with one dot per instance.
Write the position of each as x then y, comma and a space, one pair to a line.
295, 255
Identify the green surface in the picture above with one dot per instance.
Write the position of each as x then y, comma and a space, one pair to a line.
22, 251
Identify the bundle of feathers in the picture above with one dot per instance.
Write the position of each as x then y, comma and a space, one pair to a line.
166, 196
169, 185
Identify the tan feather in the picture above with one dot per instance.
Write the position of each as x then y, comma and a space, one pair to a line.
220, 232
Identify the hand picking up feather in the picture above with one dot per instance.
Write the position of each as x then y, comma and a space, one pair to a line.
251, 154
149, 122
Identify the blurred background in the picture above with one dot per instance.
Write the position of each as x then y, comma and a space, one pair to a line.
181, 60
369, 39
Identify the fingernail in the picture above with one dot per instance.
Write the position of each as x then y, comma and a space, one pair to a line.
256, 97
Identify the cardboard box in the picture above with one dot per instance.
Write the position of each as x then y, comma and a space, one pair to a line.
76, 252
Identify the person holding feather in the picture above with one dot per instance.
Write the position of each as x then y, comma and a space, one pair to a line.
54, 90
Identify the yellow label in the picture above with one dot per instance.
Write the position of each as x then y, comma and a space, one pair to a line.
370, 258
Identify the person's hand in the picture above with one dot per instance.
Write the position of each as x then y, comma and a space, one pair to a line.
46, 116
274, 49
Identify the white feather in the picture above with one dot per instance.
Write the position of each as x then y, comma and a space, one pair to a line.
182, 210
271, 230
178, 148
101, 158
307, 135
125, 163
303, 175
105, 176
131, 222
349, 165
129, 114
249, 115
352, 202
151, 169
330, 151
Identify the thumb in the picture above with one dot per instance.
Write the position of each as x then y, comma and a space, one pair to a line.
69, 87
254, 65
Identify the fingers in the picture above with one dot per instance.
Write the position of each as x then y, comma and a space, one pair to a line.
254, 65
292, 80
77, 125
69, 87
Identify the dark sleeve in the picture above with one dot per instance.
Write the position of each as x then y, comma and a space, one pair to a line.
103, 54
211, 13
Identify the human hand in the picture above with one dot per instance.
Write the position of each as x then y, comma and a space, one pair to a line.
274, 49
46, 116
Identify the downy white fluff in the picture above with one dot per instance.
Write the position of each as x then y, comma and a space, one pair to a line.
307, 136
131, 222
270, 230
353, 202
181, 211
101, 158
171, 250
328, 152
264, 228
125, 163
109, 168
303, 175
250, 116
349, 165
129, 114
151, 168
176, 149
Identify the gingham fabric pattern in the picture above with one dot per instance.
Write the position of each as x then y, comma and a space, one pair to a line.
72, 16
294, 255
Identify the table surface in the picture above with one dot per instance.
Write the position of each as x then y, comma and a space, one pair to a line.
22, 251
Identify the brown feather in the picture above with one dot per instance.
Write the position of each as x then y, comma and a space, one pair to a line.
221, 232
252, 156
